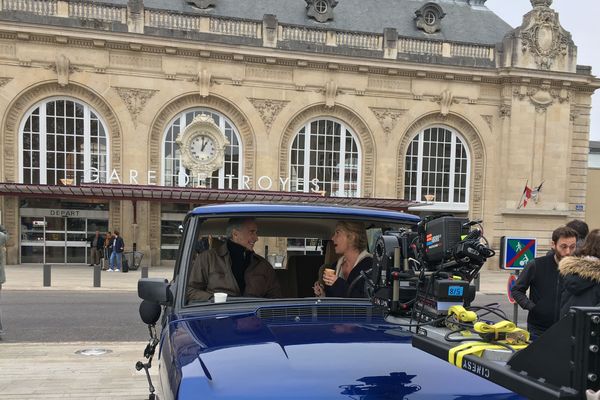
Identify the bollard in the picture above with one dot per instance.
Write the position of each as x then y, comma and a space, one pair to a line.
47, 274
144, 272
97, 275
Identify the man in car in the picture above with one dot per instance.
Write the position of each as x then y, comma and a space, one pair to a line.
540, 276
233, 267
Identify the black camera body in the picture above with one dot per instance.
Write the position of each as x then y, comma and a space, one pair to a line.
426, 272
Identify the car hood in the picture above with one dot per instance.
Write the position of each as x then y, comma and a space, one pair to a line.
247, 357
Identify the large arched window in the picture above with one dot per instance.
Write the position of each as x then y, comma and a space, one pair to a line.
227, 177
325, 153
437, 169
63, 141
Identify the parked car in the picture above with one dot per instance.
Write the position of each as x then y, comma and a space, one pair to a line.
298, 346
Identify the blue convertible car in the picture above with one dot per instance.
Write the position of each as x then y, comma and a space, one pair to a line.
298, 346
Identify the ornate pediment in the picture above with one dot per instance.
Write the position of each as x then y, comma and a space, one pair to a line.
541, 42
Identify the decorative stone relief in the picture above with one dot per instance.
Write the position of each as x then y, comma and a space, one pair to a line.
204, 82
4, 81
268, 109
63, 69
488, 119
505, 110
135, 100
388, 118
320, 10
445, 100
542, 35
429, 17
542, 98
330, 93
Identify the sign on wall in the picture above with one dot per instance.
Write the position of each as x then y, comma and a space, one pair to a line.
516, 253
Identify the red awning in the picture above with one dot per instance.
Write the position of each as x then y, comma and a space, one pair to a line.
188, 195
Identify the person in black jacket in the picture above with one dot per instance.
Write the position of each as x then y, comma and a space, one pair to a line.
540, 276
116, 256
343, 278
580, 275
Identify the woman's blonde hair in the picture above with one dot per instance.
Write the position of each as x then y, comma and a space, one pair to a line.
356, 233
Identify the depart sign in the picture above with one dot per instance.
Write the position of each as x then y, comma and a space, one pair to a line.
516, 253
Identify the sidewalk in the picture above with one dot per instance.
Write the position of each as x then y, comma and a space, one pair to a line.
81, 277
76, 277
55, 371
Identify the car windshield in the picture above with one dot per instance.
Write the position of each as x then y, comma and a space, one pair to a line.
289, 257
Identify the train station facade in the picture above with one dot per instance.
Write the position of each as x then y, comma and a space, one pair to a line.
424, 106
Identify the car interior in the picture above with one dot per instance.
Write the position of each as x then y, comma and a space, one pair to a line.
298, 270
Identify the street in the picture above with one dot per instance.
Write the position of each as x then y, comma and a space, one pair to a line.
84, 316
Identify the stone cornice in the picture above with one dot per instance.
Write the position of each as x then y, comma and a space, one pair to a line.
257, 55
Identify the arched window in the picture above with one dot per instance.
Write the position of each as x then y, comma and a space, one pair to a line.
63, 141
325, 156
437, 169
227, 177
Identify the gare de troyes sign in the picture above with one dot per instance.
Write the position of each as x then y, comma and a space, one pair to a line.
262, 182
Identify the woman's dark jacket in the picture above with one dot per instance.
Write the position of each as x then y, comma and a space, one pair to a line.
580, 278
341, 285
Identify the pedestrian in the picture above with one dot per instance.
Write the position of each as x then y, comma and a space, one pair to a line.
581, 228
97, 247
3, 240
107, 250
580, 275
116, 257
540, 276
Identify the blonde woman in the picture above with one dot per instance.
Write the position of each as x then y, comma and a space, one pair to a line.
343, 278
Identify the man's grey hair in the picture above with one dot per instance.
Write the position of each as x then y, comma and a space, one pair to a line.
236, 223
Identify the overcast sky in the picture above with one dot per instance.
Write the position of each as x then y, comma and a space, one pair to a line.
580, 17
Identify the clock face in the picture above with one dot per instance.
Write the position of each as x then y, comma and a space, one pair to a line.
202, 148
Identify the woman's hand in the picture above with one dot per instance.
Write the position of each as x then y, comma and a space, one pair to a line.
329, 279
319, 289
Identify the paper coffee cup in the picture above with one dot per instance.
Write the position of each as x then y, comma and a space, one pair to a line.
329, 271
220, 297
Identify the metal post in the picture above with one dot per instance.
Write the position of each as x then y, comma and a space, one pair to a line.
266, 251
144, 272
97, 277
47, 274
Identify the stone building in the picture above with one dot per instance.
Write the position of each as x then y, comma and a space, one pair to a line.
438, 102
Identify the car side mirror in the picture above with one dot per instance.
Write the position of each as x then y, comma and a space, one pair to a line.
155, 290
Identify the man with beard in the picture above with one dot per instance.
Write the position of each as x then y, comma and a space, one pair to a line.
540, 276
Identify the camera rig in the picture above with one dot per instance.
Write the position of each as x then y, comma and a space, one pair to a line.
424, 273
423, 279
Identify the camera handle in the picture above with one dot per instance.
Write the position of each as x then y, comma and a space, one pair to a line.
149, 354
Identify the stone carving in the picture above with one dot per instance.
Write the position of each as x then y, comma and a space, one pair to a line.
202, 3
429, 18
135, 100
488, 119
543, 97
445, 100
268, 109
63, 69
330, 94
388, 118
320, 10
543, 36
4, 81
204, 82
505, 110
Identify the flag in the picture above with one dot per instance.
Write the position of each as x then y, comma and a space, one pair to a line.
528, 194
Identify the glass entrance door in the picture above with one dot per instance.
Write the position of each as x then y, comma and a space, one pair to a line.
55, 237
76, 244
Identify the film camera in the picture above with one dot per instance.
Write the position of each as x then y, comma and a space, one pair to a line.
426, 272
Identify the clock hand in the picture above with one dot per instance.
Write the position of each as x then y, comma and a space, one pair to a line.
204, 143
